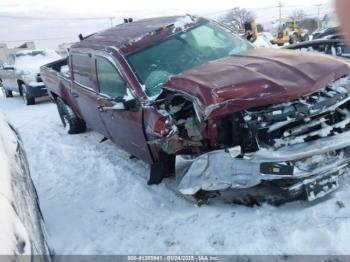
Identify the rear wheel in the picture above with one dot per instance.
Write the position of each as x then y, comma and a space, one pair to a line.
71, 122
28, 100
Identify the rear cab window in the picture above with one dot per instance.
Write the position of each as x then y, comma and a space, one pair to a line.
82, 69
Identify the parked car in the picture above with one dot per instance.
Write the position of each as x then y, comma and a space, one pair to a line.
326, 32
21, 74
332, 33
171, 86
22, 227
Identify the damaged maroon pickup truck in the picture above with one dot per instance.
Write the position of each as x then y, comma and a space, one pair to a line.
244, 117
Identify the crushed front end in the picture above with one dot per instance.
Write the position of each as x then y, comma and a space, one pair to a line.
301, 147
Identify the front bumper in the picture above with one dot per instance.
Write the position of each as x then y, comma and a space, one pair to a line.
296, 168
36, 89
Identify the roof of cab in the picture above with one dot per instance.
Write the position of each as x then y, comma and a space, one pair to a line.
121, 34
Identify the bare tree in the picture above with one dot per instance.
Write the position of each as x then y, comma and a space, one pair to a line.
298, 14
311, 24
325, 21
260, 28
236, 18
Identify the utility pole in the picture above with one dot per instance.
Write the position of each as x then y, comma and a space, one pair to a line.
319, 16
280, 13
235, 4
111, 20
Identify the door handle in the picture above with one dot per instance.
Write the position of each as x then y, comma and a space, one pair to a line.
75, 94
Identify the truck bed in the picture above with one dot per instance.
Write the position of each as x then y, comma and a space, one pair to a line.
56, 75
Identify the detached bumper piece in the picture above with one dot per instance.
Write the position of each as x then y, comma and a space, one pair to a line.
305, 171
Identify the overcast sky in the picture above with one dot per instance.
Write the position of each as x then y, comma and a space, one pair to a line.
50, 32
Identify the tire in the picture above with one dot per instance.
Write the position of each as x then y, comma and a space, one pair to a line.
6, 93
293, 39
28, 100
71, 122
305, 38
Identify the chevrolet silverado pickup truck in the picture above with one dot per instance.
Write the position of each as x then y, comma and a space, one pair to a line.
244, 117
21, 74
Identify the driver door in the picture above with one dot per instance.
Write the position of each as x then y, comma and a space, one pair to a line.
125, 127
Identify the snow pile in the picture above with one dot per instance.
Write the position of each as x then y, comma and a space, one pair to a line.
29, 62
267, 35
262, 41
12, 229
182, 22
8, 144
95, 201
65, 71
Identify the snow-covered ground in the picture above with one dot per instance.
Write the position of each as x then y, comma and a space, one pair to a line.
95, 201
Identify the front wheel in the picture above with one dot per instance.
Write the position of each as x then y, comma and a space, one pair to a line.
305, 38
71, 122
28, 100
293, 39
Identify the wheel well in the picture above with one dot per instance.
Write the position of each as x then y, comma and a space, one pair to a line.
54, 95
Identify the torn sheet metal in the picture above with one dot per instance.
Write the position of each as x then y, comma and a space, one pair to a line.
222, 169
217, 170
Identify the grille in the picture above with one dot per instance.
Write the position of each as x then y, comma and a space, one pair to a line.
321, 114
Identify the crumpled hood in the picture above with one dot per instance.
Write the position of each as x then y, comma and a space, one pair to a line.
257, 77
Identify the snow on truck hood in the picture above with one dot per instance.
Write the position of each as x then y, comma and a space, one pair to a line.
257, 77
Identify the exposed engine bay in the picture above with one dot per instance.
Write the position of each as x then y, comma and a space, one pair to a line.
296, 145
321, 114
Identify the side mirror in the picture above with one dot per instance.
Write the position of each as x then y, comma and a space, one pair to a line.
132, 105
120, 104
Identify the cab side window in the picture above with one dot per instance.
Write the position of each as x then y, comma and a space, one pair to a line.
81, 66
109, 80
